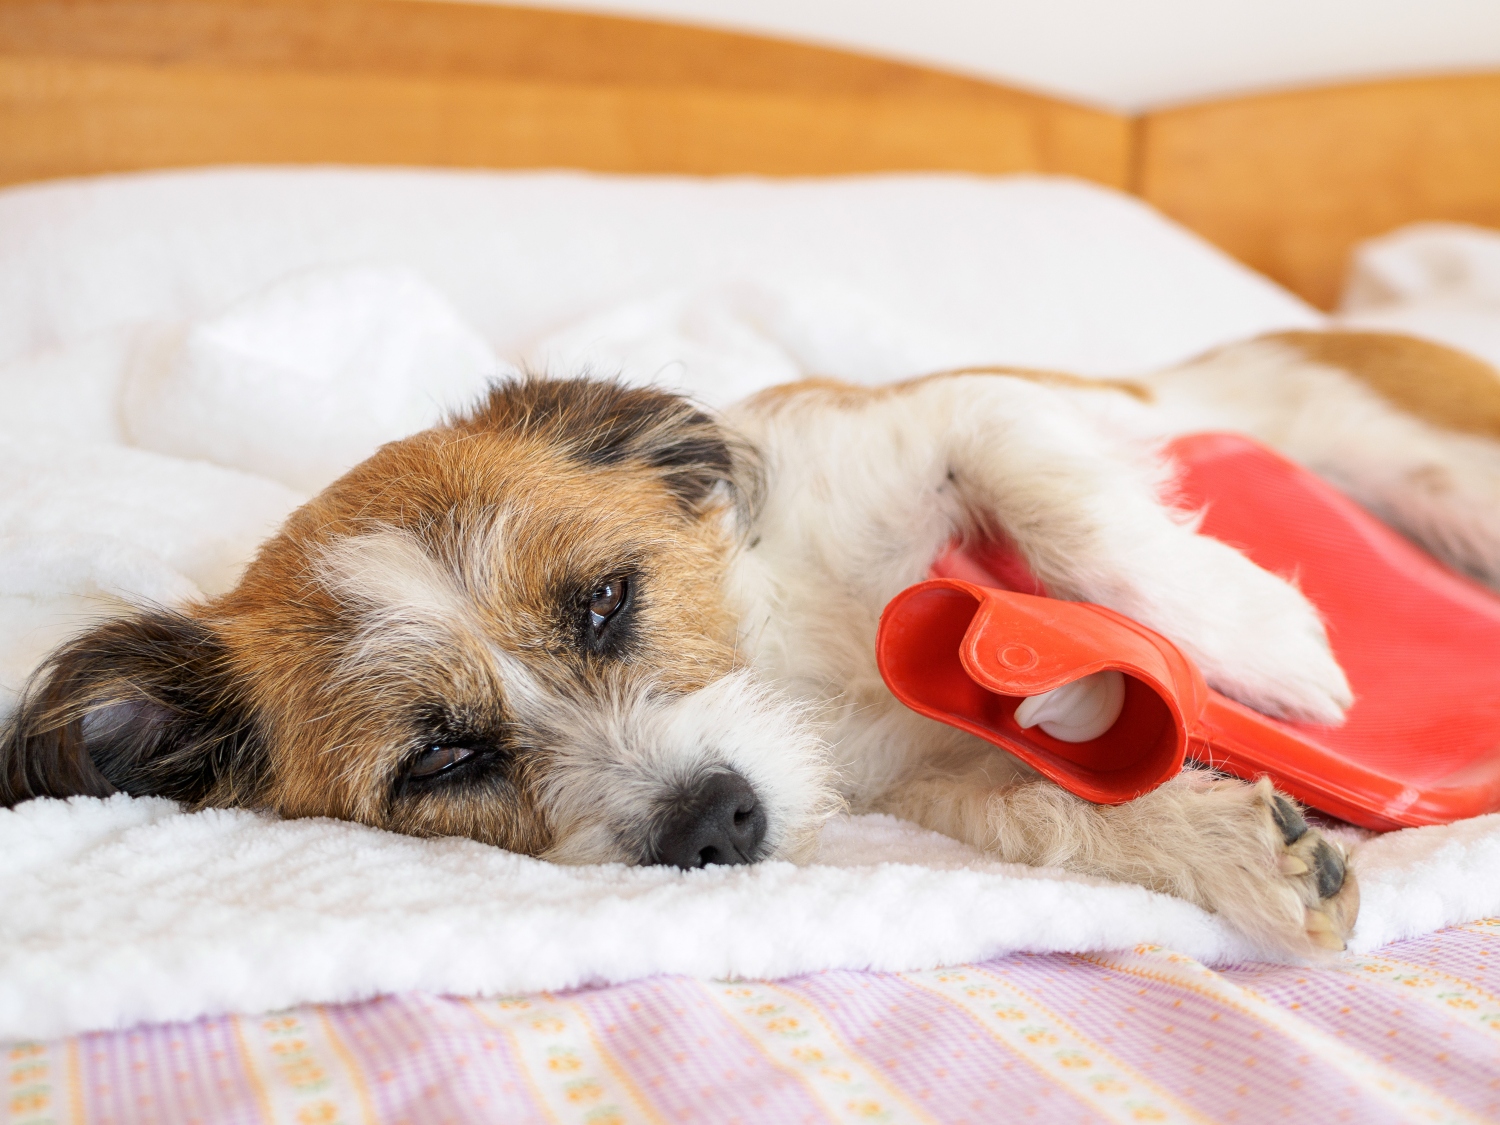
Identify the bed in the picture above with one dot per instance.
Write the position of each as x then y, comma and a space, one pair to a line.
161, 966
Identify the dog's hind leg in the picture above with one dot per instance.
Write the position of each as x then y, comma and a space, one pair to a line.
1408, 428
1238, 848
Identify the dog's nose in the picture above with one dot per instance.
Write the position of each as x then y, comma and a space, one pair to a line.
721, 823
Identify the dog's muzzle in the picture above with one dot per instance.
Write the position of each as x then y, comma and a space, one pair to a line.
721, 821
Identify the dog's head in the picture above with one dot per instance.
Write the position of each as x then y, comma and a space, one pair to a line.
512, 627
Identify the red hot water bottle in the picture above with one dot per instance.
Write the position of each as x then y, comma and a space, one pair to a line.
1420, 644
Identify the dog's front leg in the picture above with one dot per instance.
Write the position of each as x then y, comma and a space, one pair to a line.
1237, 848
1087, 515
865, 486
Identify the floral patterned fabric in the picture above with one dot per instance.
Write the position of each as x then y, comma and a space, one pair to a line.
1146, 1035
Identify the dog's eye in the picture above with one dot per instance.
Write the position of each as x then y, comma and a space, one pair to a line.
605, 602
439, 759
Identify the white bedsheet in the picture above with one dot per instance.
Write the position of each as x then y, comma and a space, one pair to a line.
184, 357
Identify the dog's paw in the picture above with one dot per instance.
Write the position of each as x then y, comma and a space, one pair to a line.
1257, 639
1319, 871
1291, 675
1283, 883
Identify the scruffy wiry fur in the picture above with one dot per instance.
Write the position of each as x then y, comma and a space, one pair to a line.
582, 617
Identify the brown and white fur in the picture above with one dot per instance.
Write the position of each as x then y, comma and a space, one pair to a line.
593, 624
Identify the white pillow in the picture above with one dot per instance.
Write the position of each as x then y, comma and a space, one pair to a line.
1024, 269
305, 379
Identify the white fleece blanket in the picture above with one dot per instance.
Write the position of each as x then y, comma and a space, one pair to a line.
127, 910
184, 357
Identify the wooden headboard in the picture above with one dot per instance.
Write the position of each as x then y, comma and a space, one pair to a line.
1286, 182
94, 85
1289, 182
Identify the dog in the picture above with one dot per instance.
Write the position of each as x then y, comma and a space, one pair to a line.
592, 623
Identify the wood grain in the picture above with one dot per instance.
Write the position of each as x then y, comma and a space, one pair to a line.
1290, 182
108, 85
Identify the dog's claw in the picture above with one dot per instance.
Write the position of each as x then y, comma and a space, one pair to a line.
1328, 869
1288, 818
1323, 932
1291, 865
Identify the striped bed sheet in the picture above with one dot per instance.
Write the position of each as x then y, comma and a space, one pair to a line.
1145, 1035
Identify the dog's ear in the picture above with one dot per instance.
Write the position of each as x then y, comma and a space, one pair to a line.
144, 705
602, 422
